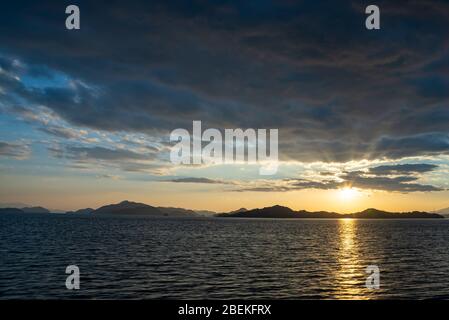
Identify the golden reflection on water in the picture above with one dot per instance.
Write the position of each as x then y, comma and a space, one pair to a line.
349, 277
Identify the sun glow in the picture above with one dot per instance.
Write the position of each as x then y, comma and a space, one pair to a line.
348, 194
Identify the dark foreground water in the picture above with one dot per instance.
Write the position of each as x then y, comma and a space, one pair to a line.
219, 258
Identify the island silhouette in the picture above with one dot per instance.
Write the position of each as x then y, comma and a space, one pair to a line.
129, 208
285, 212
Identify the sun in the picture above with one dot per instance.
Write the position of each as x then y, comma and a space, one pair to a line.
347, 193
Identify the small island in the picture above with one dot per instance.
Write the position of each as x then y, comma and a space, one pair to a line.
285, 212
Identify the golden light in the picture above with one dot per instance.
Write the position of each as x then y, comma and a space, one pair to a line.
348, 193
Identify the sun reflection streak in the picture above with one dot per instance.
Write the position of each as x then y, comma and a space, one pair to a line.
349, 275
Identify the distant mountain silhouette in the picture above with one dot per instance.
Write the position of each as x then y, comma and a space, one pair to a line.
128, 207
135, 208
268, 212
206, 213
10, 210
24, 210
35, 210
239, 210
82, 211
379, 214
444, 212
9, 205
122, 208
285, 212
168, 211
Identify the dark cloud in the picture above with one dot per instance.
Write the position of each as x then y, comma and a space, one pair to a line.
336, 91
265, 189
198, 180
413, 145
397, 178
19, 151
100, 153
326, 173
397, 184
403, 169
85, 157
306, 184
108, 176
394, 178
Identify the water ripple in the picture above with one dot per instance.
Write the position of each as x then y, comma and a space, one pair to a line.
135, 258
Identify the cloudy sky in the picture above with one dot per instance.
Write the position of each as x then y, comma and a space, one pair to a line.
86, 115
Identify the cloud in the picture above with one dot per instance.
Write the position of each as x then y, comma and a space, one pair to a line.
62, 132
100, 153
396, 184
306, 184
96, 157
16, 150
413, 145
158, 168
393, 178
402, 169
265, 189
335, 91
198, 180
108, 176
289, 185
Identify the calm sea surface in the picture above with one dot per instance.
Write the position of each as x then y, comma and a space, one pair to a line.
219, 258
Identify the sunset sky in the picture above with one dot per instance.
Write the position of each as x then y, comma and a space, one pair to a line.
363, 115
